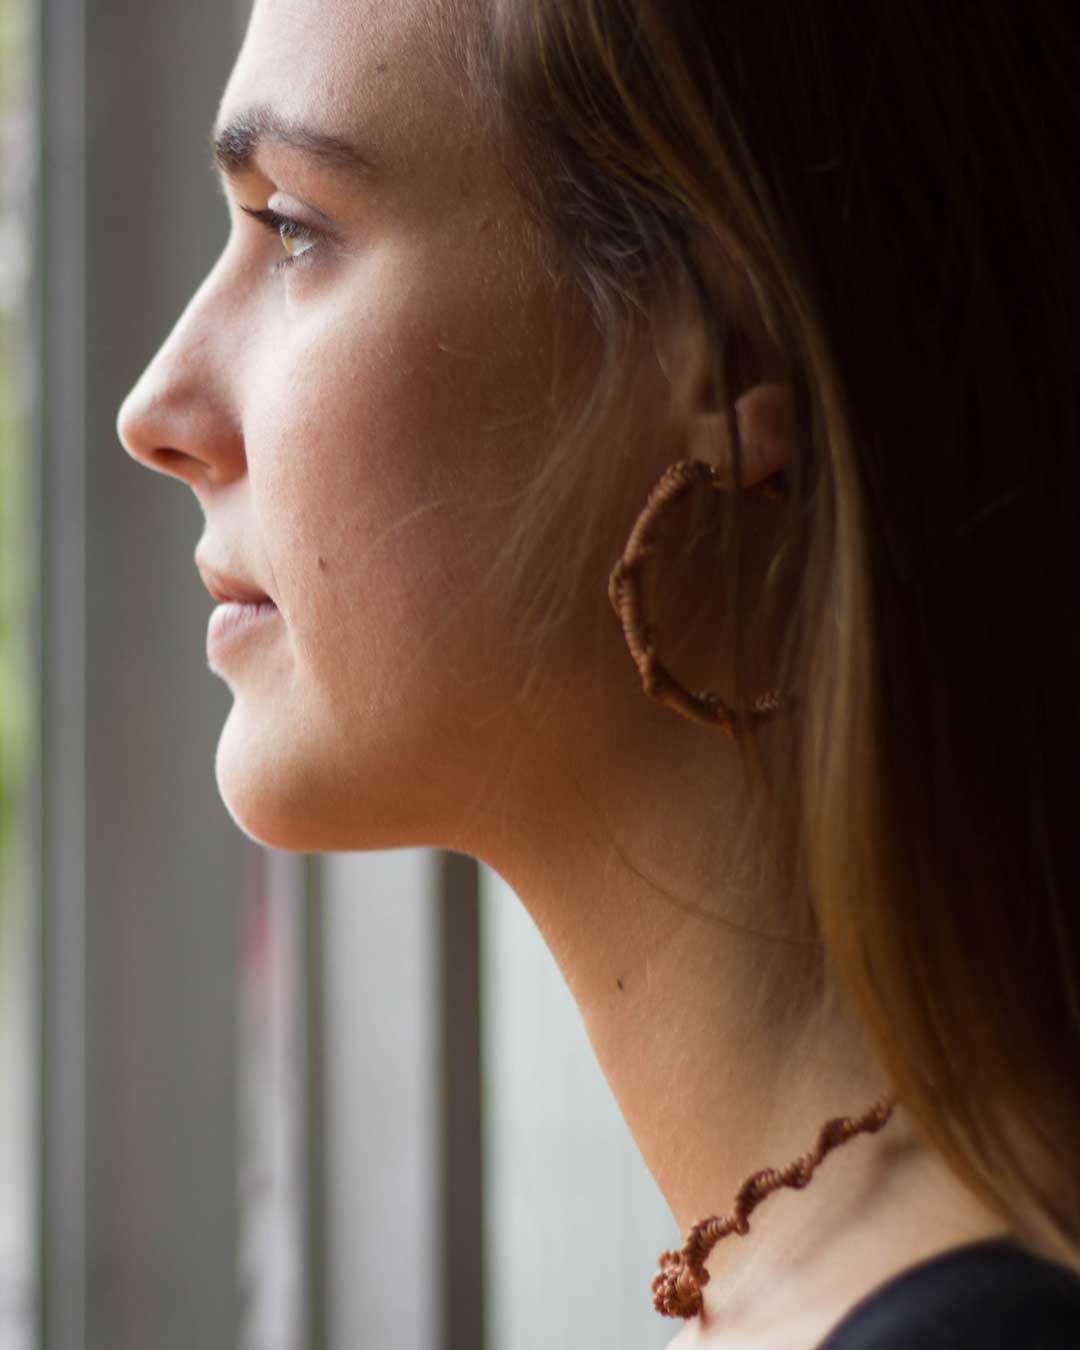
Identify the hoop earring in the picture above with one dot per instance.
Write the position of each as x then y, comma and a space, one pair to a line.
640, 632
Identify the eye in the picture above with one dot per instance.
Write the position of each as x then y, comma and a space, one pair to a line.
297, 240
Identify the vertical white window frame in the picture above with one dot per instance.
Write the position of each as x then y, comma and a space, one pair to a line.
280, 1187
381, 1213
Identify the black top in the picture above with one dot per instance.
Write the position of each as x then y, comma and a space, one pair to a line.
990, 1295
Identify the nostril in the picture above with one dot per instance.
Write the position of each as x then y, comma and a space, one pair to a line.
168, 460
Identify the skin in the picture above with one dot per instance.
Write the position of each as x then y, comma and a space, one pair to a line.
352, 428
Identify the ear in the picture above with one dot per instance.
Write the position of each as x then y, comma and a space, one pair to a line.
765, 420
764, 405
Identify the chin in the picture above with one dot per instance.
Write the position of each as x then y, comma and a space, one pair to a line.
287, 796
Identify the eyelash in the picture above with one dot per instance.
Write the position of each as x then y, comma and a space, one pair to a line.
285, 228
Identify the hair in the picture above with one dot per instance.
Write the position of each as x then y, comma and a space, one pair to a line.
893, 185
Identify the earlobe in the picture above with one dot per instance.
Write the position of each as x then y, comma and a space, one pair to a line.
765, 419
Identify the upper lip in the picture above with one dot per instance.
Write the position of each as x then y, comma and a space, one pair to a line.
224, 587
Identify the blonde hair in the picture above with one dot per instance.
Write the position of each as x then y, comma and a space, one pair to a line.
894, 185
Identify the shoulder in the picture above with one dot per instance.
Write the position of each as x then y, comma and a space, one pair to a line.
988, 1294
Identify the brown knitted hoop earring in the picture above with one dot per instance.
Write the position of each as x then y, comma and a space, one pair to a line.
677, 1288
625, 593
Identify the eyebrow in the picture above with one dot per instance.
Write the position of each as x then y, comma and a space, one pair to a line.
234, 145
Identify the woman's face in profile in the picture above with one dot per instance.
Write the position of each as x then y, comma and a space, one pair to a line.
352, 394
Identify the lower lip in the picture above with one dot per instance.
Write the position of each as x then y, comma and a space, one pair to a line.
235, 621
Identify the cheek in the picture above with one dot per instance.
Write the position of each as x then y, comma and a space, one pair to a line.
403, 388
380, 466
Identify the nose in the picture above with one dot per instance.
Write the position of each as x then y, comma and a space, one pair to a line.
182, 416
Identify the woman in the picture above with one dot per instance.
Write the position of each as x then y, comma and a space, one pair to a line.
800, 280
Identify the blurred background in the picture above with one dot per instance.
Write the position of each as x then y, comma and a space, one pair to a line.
247, 1099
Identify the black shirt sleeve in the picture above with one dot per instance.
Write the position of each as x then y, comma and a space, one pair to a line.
991, 1295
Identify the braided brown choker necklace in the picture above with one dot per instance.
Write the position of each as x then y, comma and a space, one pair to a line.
677, 1288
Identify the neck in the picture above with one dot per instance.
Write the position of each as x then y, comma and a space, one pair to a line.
717, 1073
712, 1026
